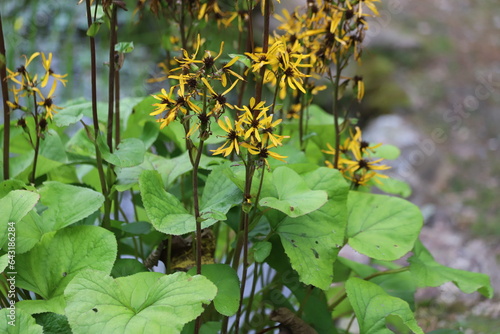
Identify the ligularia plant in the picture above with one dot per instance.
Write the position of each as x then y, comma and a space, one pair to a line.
218, 203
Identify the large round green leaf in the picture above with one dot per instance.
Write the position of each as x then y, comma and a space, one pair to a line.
295, 198
382, 227
14, 206
372, 305
67, 204
141, 303
228, 286
130, 152
312, 241
18, 323
166, 212
58, 257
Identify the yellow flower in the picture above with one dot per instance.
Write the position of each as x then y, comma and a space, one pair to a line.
226, 70
165, 102
263, 152
46, 62
253, 116
233, 135
47, 102
14, 105
267, 131
187, 60
220, 99
23, 72
294, 111
291, 75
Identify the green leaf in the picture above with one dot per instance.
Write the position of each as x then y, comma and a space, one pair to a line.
393, 186
372, 305
4, 261
388, 152
220, 193
141, 303
19, 323
67, 204
59, 256
80, 147
94, 29
14, 206
124, 47
227, 282
136, 228
242, 59
126, 267
72, 112
313, 240
211, 327
129, 153
52, 147
28, 232
149, 133
164, 210
294, 199
382, 227
169, 169
312, 300
9, 185
261, 250
53, 323
427, 272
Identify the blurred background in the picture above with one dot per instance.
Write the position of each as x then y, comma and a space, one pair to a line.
432, 76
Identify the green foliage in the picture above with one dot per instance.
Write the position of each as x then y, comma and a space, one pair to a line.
49, 266
428, 272
144, 302
21, 323
226, 280
159, 217
382, 227
372, 305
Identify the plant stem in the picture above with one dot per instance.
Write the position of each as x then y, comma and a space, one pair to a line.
252, 291
95, 117
336, 113
6, 109
197, 216
112, 73
196, 206
265, 48
117, 129
250, 169
37, 142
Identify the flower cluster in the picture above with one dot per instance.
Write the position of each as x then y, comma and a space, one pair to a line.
28, 85
194, 93
356, 160
255, 130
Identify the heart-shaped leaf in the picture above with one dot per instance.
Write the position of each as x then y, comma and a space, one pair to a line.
294, 196
141, 303
382, 227
14, 206
165, 211
129, 153
59, 256
313, 240
228, 286
19, 322
372, 305
67, 204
